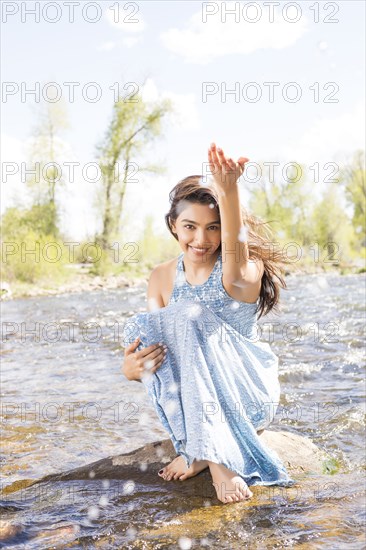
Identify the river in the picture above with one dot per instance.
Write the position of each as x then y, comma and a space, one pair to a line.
65, 404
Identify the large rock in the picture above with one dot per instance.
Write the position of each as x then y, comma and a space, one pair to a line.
167, 510
298, 453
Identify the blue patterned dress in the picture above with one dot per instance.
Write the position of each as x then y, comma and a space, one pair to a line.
218, 385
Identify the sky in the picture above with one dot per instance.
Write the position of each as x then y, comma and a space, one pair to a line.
310, 56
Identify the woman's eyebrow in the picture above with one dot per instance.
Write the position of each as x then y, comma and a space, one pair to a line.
191, 221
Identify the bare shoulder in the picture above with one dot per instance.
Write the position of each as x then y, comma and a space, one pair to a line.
161, 282
163, 269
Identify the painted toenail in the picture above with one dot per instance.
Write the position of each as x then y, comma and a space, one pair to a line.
161, 471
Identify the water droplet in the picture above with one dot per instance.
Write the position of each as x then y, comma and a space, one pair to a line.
180, 280
131, 532
184, 543
159, 451
171, 406
322, 282
103, 501
128, 487
146, 375
243, 234
322, 45
194, 310
93, 512
173, 388
149, 364
144, 419
153, 304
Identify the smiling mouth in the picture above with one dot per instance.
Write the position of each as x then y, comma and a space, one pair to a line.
198, 249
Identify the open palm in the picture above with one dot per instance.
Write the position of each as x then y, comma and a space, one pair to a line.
225, 171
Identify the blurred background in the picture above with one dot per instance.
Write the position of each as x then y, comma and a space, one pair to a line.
107, 106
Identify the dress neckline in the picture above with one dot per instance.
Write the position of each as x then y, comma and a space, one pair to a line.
209, 277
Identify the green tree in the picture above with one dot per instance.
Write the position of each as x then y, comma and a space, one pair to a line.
134, 125
46, 152
333, 230
285, 202
18, 221
353, 178
29, 250
155, 247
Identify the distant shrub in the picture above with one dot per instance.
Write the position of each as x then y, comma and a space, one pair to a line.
28, 252
33, 257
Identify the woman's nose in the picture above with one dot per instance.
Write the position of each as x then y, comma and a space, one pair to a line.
201, 243
201, 237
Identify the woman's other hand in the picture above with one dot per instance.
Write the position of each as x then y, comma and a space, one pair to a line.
148, 359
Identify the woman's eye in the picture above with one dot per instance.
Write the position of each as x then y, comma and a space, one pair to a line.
211, 227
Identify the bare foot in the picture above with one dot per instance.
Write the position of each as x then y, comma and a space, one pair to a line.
229, 486
177, 469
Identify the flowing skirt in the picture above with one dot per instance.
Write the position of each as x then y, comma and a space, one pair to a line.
214, 390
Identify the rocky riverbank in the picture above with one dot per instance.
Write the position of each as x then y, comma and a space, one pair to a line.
81, 280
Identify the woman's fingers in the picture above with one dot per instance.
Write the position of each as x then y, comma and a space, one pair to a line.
153, 359
232, 165
221, 156
131, 347
220, 160
214, 155
156, 353
210, 158
241, 163
144, 352
158, 364
242, 160
213, 165
217, 157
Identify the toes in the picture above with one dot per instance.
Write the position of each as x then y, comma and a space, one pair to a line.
243, 494
246, 492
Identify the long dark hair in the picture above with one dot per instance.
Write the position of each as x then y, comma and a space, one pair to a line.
260, 238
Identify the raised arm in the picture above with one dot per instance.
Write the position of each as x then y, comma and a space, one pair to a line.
238, 269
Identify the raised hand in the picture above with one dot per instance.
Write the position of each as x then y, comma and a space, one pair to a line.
224, 170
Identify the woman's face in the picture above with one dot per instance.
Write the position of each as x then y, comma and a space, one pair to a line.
198, 229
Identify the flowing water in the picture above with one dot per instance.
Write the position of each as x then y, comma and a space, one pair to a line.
65, 404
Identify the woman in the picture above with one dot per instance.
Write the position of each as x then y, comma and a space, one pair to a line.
213, 385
